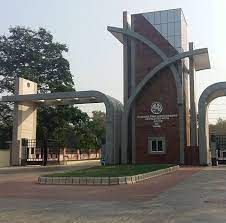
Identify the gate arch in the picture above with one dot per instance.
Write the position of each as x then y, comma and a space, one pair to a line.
209, 94
114, 110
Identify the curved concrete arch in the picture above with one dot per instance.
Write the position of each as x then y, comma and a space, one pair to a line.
209, 94
113, 113
157, 50
139, 37
117, 128
159, 67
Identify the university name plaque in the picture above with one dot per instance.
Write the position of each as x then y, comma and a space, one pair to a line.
156, 117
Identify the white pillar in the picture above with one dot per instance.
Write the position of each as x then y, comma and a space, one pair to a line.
25, 119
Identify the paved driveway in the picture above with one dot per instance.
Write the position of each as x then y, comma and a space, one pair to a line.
187, 195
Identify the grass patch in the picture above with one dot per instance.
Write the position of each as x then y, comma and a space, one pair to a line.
112, 171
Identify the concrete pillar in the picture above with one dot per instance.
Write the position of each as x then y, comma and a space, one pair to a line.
25, 119
182, 132
126, 60
126, 87
193, 110
133, 88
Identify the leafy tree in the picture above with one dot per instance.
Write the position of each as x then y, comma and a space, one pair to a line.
33, 55
219, 128
89, 133
5, 125
62, 123
98, 127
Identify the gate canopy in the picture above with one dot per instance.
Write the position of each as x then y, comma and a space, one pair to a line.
114, 110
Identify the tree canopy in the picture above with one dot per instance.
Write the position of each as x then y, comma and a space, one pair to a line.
34, 55
219, 128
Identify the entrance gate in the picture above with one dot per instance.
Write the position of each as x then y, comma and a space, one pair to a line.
42, 152
27, 99
220, 141
209, 94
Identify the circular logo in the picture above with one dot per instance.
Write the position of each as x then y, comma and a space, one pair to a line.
156, 107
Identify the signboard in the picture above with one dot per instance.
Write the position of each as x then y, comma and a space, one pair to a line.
156, 117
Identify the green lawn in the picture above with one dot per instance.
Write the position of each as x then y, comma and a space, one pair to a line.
112, 171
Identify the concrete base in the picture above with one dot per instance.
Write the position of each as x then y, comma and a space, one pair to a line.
105, 180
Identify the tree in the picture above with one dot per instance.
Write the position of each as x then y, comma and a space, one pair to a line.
5, 125
98, 127
33, 55
89, 132
63, 123
219, 128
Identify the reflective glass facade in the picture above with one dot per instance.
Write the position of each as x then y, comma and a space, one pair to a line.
172, 26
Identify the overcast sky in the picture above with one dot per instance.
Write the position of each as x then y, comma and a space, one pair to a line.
96, 56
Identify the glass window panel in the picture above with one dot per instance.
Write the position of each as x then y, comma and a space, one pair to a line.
178, 41
153, 145
170, 16
165, 35
157, 17
150, 17
177, 28
163, 16
171, 40
171, 30
156, 145
177, 15
160, 147
158, 27
164, 29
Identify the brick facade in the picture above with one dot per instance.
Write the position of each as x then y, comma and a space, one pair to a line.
162, 88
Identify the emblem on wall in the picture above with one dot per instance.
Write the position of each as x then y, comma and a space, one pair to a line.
156, 107
156, 117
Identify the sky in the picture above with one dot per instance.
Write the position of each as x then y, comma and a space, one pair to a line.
95, 55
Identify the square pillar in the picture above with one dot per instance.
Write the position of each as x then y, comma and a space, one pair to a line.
25, 120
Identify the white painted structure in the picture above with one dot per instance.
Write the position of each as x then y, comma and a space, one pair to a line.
25, 118
4, 157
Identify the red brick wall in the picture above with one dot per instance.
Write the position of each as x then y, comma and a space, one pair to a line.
162, 88
143, 27
191, 154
